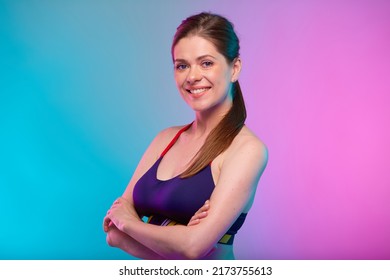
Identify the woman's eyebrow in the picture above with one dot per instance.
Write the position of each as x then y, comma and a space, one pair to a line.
205, 56
180, 60
197, 59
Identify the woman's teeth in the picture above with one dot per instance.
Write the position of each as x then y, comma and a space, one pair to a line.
197, 91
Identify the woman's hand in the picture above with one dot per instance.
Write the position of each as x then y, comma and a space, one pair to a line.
200, 214
120, 212
114, 235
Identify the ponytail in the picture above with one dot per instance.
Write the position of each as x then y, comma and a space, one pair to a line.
221, 136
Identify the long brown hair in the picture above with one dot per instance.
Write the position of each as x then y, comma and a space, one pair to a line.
220, 32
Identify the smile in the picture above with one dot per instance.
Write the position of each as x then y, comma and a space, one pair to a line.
198, 90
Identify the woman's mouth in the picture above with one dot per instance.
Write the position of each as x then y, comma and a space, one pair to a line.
198, 90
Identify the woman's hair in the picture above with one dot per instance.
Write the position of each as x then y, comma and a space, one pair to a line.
220, 32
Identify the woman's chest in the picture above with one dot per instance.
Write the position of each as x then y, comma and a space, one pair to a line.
176, 198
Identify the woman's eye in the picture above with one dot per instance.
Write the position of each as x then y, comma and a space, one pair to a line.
181, 66
207, 64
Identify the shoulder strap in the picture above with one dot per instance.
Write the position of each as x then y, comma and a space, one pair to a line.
173, 141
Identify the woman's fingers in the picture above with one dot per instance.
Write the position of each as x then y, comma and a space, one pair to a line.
196, 218
205, 207
193, 222
106, 223
200, 214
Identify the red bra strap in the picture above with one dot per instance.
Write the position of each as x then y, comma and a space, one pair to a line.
173, 141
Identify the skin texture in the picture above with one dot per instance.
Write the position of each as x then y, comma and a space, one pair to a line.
199, 65
236, 172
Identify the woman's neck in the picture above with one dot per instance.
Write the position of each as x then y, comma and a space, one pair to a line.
206, 121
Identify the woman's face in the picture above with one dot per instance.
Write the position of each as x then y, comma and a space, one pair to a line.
203, 76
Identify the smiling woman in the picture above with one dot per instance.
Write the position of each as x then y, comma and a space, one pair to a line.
203, 76
196, 182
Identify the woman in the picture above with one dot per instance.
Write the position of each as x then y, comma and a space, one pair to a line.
216, 158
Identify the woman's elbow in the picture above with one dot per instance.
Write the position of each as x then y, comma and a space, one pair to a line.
112, 238
109, 240
196, 251
190, 255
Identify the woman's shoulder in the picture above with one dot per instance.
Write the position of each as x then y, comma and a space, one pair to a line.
158, 145
248, 144
169, 133
165, 136
246, 137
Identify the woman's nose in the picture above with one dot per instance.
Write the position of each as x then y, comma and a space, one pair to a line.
194, 75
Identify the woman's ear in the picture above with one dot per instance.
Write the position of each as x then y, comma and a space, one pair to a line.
237, 64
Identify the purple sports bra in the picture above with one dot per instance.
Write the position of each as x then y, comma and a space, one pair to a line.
168, 202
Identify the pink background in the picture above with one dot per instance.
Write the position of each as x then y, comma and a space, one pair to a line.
318, 92
86, 85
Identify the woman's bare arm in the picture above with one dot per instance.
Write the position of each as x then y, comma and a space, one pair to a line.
117, 238
121, 240
236, 186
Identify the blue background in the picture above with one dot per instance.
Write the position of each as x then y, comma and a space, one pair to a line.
86, 85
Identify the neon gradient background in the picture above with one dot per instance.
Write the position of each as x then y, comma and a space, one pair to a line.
86, 85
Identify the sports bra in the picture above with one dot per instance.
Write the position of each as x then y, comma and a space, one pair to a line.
175, 201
